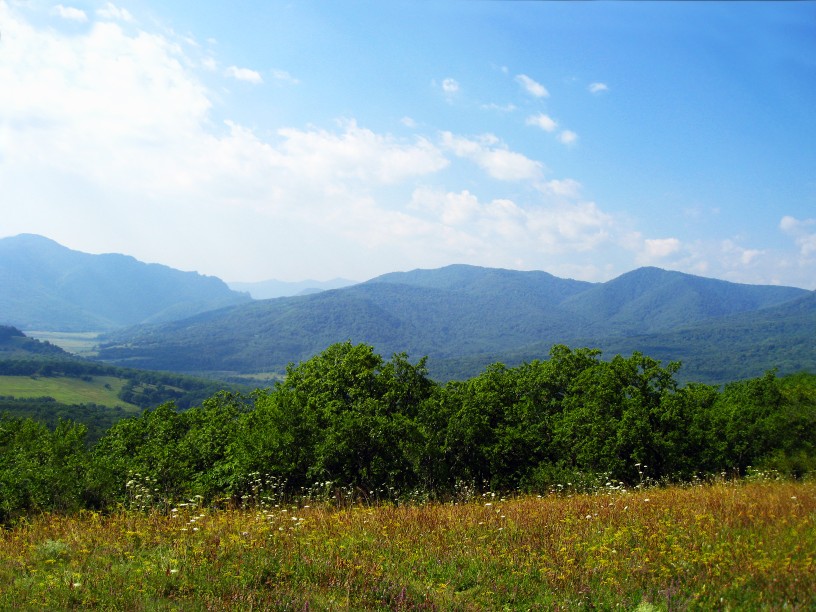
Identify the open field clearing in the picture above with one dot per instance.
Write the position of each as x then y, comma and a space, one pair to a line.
83, 344
100, 390
721, 546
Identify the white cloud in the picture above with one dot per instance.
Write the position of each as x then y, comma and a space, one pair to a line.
504, 232
408, 122
70, 13
494, 157
450, 208
502, 108
568, 137
532, 87
566, 188
283, 75
450, 86
123, 130
597, 88
111, 11
743, 256
545, 122
111, 142
244, 74
803, 232
659, 248
356, 153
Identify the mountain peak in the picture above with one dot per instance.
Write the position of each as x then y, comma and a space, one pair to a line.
48, 286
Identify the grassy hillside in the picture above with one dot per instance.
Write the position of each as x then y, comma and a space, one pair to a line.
82, 344
724, 546
99, 390
40, 380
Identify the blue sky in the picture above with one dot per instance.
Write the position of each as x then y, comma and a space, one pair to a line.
297, 140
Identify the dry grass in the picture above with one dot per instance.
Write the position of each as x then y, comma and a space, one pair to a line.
720, 546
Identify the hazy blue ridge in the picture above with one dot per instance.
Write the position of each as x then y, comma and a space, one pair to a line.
49, 287
268, 289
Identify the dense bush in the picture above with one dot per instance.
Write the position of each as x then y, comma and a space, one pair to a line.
350, 418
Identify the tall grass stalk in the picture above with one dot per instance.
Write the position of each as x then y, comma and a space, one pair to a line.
746, 545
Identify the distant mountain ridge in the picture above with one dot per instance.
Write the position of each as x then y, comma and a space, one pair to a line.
46, 286
464, 317
268, 289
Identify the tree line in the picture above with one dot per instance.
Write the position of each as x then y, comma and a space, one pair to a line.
348, 417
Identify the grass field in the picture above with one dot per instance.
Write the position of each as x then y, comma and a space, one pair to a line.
101, 390
726, 546
83, 344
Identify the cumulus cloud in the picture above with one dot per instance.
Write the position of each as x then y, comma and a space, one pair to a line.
597, 88
119, 121
658, 248
70, 13
283, 75
567, 188
355, 153
803, 232
111, 11
545, 122
568, 137
111, 142
743, 256
509, 231
244, 74
659, 251
450, 86
493, 157
535, 89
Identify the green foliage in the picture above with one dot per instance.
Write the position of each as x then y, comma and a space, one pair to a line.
350, 421
40, 469
344, 416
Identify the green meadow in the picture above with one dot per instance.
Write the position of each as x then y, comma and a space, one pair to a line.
99, 390
725, 545
83, 344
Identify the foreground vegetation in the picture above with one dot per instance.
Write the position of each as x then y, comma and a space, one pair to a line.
348, 416
726, 545
358, 482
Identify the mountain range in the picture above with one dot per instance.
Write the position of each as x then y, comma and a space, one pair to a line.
46, 286
465, 317
268, 289
462, 317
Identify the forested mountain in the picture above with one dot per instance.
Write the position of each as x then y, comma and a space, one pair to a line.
465, 317
46, 286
